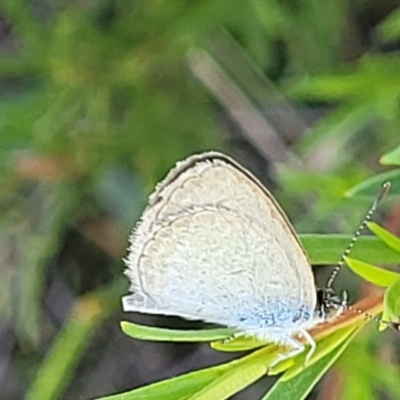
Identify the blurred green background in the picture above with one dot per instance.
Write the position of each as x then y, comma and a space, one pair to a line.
98, 99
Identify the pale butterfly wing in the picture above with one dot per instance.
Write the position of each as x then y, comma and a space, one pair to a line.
214, 245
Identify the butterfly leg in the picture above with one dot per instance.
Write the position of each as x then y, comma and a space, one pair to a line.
296, 348
310, 340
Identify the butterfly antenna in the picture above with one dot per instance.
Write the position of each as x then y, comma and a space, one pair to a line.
367, 315
384, 190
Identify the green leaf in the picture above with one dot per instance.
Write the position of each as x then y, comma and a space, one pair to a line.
299, 387
391, 158
232, 381
375, 275
180, 388
215, 336
371, 187
223, 381
327, 249
142, 332
218, 382
391, 240
389, 29
392, 301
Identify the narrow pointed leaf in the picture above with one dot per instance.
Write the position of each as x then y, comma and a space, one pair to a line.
392, 301
389, 30
391, 240
377, 276
180, 388
372, 186
188, 386
327, 249
232, 381
143, 332
392, 158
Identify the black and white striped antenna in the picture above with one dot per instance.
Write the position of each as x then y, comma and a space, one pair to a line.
370, 213
327, 298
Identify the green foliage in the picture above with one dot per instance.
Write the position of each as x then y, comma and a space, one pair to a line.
386, 237
389, 29
370, 273
157, 334
392, 302
372, 186
98, 102
225, 380
392, 158
218, 382
327, 249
